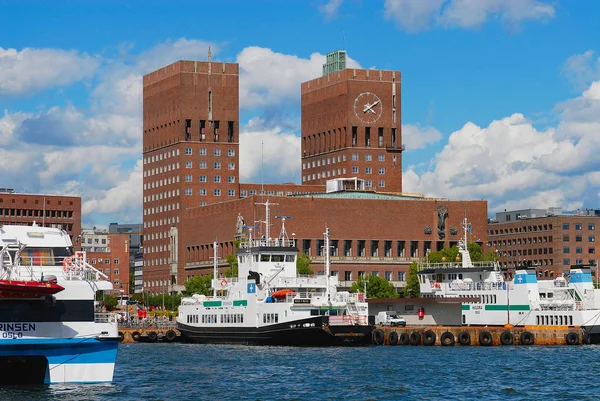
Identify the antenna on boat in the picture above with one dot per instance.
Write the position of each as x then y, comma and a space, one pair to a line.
251, 230
215, 267
327, 294
283, 236
267, 218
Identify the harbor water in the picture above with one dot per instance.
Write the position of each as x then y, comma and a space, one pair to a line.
219, 372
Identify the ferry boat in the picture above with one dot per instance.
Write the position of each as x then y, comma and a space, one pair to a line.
270, 304
522, 301
49, 330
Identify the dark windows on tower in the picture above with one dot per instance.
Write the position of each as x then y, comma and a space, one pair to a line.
229, 131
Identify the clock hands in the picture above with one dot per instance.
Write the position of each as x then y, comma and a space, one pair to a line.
369, 107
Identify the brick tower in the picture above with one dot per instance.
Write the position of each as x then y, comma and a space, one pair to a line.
191, 142
351, 126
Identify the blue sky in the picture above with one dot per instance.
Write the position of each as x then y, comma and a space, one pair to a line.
500, 98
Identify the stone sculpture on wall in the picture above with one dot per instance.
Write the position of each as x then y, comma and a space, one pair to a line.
442, 215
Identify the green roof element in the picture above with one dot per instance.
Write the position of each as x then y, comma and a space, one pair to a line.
335, 61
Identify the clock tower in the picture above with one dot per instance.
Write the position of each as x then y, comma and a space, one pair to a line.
352, 127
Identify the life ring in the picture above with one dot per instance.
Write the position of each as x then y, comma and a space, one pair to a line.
404, 339
485, 338
464, 338
506, 338
378, 336
447, 339
67, 263
527, 338
429, 337
393, 338
572, 338
415, 338
224, 283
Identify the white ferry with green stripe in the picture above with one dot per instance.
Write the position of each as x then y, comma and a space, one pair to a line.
571, 301
269, 304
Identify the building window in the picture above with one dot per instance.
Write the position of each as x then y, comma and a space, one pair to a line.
578, 250
217, 178
565, 226
400, 276
217, 152
368, 183
381, 184
354, 156
231, 192
388, 276
566, 237
188, 191
188, 151
188, 178
188, 164
231, 152
203, 152
591, 238
368, 157
367, 170
381, 158
566, 262
578, 226
217, 165
202, 192
381, 170
217, 192
202, 178
347, 276
244, 193
203, 165
354, 170
592, 250
116, 262
578, 238
231, 166
566, 249
591, 226
231, 179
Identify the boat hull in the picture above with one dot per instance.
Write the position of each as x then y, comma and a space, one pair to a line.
312, 332
57, 360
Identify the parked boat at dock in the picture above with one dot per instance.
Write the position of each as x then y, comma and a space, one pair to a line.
270, 304
570, 301
49, 330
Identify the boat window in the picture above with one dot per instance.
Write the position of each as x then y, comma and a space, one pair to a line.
570, 320
256, 258
460, 276
264, 257
495, 301
290, 258
277, 258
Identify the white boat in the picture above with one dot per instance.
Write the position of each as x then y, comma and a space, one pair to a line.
269, 304
49, 329
570, 301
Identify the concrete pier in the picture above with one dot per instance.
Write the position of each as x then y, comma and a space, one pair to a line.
479, 335
149, 335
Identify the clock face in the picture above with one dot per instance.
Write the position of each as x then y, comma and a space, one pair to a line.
368, 107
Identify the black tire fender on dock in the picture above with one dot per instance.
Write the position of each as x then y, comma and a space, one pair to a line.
404, 339
152, 336
415, 338
121, 336
393, 338
378, 337
135, 336
429, 337
464, 338
572, 338
527, 338
447, 339
507, 338
170, 336
485, 338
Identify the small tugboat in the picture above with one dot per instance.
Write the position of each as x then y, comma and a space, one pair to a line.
570, 301
49, 329
270, 304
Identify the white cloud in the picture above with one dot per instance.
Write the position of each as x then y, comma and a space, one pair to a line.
581, 69
268, 78
417, 137
268, 153
417, 15
330, 9
513, 165
31, 70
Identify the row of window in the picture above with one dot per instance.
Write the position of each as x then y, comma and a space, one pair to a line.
57, 214
203, 192
216, 152
413, 249
349, 275
579, 226
161, 169
216, 165
161, 208
567, 249
539, 227
161, 156
161, 222
318, 163
216, 178
244, 193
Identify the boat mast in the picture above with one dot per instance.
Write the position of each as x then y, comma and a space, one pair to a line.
267, 218
215, 268
327, 262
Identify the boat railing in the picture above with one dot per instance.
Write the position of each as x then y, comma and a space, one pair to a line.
270, 242
457, 265
74, 267
348, 320
464, 286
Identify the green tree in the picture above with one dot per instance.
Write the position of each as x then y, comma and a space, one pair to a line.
412, 281
198, 285
303, 264
110, 301
377, 287
233, 266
